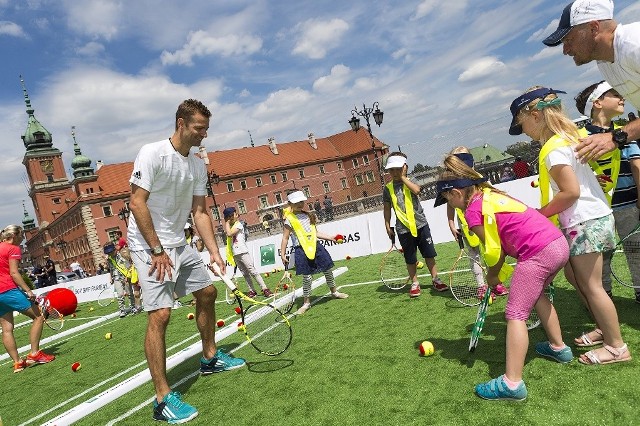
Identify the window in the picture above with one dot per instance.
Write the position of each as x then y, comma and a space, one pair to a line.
56, 201
278, 196
264, 202
355, 162
243, 184
359, 180
325, 186
106, 210
229, 186
242, 208
322, 170
348, 197
111, 234
215, 212
365, 160
339, 164
284, 176
370, 176
343, 183
305, 189
273, 178
49, 178
301, 173
258, 181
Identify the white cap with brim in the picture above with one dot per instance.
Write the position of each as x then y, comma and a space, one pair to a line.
395, 161
296, 197
580, 12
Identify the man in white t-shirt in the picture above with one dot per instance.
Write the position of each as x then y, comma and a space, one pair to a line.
588, 33
167, 184
77, 269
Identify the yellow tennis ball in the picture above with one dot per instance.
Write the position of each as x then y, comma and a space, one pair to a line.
108, 336
420, 265
190, 316
426, 348
491, 300
90, 308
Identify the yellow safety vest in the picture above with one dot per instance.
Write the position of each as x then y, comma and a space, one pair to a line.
552, 144
472, 238
230, 260
124, 271
306, 239
407, 218
492, 203
613, 165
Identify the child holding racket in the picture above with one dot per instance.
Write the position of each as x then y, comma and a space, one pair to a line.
238, 252
310, 257
411, 224
505, 226
603, 103
579, 207
15, 295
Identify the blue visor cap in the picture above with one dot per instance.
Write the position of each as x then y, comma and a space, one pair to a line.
448, 185
466, 158
524, 100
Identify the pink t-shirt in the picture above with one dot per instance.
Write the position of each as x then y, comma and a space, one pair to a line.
522, 235
7, 251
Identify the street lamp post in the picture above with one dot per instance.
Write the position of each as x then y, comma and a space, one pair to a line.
123, 214
62, 246
213, 179
366, 113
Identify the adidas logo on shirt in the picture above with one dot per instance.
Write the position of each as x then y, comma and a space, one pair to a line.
137, 175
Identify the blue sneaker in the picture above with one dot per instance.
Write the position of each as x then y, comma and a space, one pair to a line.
562, 356
219, 363
173, 410
497, 389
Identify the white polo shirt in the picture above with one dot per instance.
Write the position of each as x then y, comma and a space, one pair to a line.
172, 181
623, 74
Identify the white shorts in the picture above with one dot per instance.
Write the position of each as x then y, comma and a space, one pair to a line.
189, 274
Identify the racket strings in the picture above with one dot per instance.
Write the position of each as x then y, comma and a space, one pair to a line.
393, 270
269, 331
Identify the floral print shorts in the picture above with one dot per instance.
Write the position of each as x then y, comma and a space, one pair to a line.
592, 236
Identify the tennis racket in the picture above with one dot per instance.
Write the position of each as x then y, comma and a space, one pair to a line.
53, 318
466, 279
626, 254
479, 324
393, 268
107, 295
533, 321
228, 295
285, 291
264, 326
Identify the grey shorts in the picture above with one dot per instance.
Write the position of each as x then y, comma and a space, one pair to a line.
189, 274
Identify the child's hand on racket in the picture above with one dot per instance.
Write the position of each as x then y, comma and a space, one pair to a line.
391, 233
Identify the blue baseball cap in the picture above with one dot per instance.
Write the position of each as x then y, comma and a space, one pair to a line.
524, 100
228, 212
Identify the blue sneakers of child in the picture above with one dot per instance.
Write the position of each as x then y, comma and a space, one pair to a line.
497, 389
173, 410
219, 363
562, 356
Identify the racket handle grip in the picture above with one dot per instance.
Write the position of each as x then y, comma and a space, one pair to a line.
460, 239
216, 270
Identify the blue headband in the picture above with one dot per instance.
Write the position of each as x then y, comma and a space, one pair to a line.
524, 100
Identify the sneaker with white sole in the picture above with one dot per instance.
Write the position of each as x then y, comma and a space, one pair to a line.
39, 358
562, 356
414, 291
173, 409
497, 389
219, 363
252, 294
19, 366
438, 285
499, 290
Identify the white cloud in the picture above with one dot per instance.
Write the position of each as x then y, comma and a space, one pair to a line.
543, 33
91, 49
318, 37
95, 18
11, 29
484, 95
200, 43
446, 9
483, 67
279, 103
546, 53
333, 82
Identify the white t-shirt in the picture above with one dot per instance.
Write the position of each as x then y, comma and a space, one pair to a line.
592, 203
239, 240
623, 74
172, 181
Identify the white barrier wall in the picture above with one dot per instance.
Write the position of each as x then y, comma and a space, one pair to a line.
364, 235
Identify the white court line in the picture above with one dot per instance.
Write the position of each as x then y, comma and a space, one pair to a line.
91, 405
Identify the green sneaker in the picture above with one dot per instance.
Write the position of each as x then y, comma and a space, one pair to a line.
173, 410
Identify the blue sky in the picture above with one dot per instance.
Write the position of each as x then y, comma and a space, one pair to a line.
444, 73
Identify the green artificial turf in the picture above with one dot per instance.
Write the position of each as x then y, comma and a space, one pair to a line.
352, 362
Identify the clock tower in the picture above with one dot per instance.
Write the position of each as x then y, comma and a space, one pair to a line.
48, 182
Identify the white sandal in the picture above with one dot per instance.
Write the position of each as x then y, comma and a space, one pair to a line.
593, 359
585, 340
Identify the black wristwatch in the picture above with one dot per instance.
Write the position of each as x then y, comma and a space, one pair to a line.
619, 137
157, 250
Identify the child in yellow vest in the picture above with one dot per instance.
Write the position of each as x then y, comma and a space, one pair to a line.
602, 104
401, 195
238, 252
310, 257
580, 208
505, 226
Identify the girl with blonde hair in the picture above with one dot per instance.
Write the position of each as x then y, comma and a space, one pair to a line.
578, 205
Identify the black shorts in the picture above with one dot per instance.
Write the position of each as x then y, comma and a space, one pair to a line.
423, 241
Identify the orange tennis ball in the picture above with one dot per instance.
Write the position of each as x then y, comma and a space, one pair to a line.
426, 348
220, 323
535, 183
340, 241
76, 366
190, 316
286, 286
73, 315
238, 310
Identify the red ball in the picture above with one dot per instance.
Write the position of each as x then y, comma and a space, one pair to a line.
76, 366
220, 323
63, 299
238, 310
286, 286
